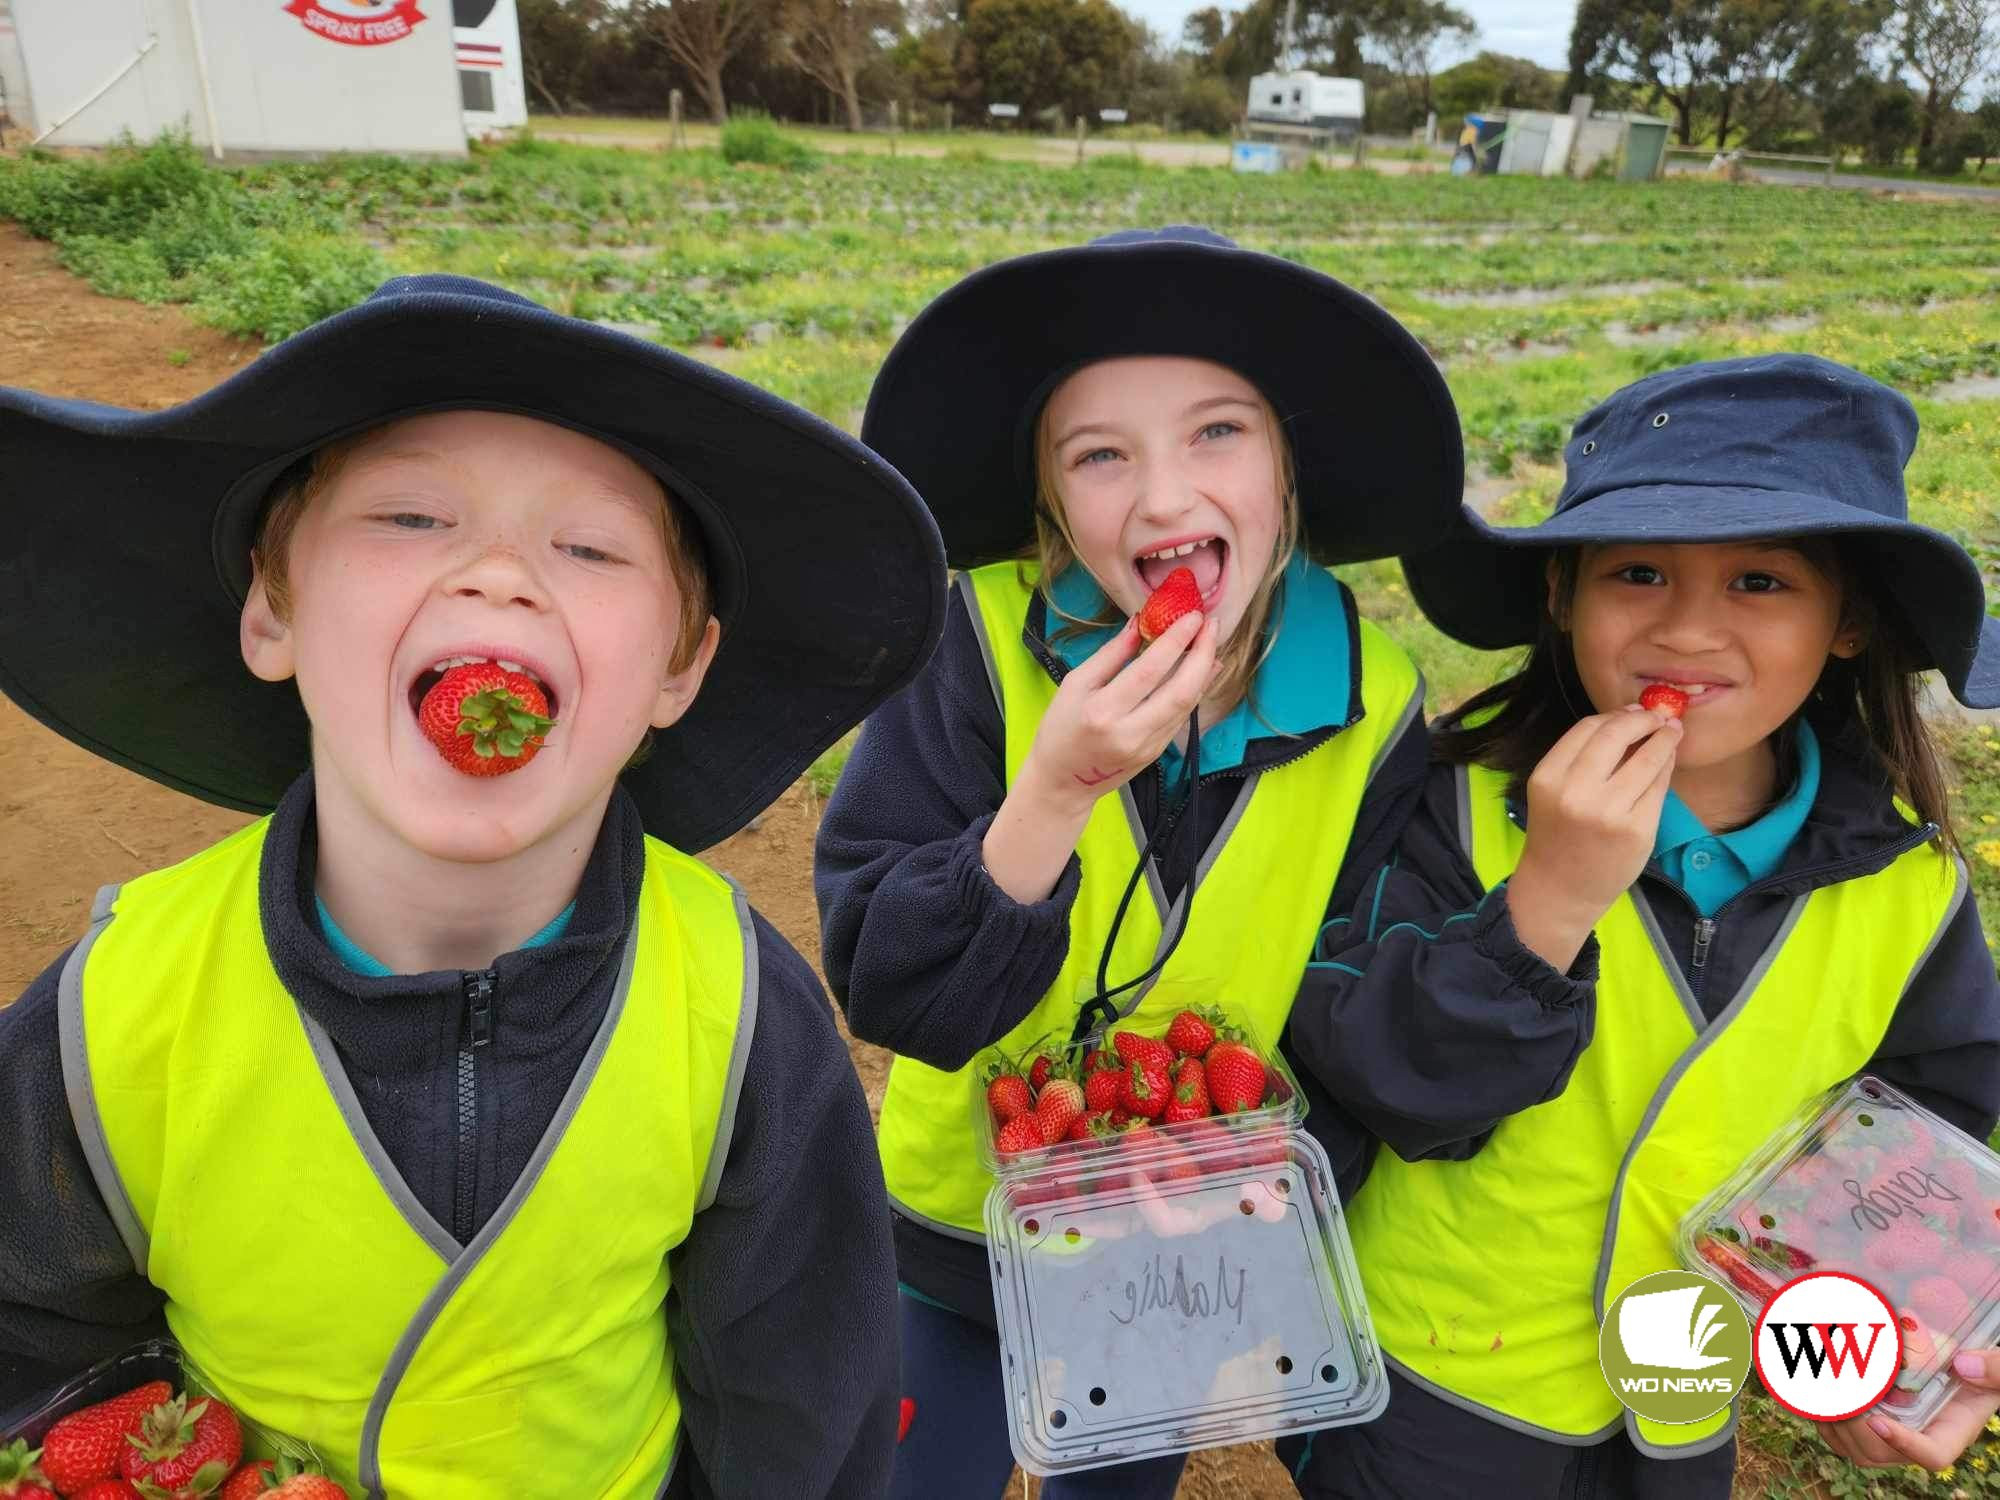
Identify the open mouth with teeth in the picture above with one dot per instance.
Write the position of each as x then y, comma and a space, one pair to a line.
1693, 691
431, 676
1206, 557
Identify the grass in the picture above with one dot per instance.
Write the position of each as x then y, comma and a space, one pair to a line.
1539, 297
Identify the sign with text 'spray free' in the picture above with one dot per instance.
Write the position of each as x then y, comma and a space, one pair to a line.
357, 23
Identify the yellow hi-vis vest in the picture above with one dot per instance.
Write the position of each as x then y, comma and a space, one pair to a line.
304, 1277
1488, 1278
1263, 886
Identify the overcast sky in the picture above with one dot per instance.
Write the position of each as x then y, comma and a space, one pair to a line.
1534, 29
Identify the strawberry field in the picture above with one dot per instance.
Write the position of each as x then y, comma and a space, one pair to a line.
1537, 296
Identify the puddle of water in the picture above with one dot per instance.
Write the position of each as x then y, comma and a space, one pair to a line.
1967, 388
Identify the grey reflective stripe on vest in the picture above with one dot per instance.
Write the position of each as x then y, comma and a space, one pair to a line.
739, 1057
971, 598
1461, 780
1671, 965
82, 1098
1709, 1444
1411, 710
1685, 1061
462, 1266
1500, 1418
673, 1463
441, 1241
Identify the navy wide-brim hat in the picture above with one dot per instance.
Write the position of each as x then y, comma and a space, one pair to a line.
1375, 438
126, 555
1784, 445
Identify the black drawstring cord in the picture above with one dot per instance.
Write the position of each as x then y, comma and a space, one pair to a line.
1098, 1012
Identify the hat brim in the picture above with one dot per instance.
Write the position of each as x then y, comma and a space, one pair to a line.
129, 534
1487, 585
1375, 436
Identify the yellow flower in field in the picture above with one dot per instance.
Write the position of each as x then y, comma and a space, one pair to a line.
1978, 1461
1993, 1425
1947, 1473
1988, 819
1988, 850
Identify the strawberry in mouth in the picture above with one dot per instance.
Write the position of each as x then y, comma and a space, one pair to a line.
1206, 557
485, 717
1674, 697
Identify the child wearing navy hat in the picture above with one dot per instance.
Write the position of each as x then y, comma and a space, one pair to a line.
1084, 423
1695, 848
451, 1117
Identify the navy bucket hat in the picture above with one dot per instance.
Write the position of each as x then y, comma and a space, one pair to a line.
1374, 434
1784, 445
127, 550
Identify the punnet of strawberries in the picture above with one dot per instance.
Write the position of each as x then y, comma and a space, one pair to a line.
153, 1442
1140, 1080
1882, 1190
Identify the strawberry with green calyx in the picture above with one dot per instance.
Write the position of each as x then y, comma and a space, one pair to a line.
1132, 1047
1092, 1125
1022, 1133
1059, 1106
1741, 1273
1194, 1031
1148, 1088
485, 720
1190, 1100
1177, 594
1236, 1078
1007, 1092
1103, 1088
286, 1479
89, 1444
181, 1444
21, 1476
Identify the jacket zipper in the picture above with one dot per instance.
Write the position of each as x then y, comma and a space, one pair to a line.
480, 988
1825, 875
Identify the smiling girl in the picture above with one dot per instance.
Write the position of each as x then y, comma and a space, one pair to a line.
1083, 423
1620, 945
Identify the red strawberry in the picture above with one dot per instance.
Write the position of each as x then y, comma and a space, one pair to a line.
1668, 700
1939, 1301
1971, 1270
1193, 1032
1132, 1047
1022, 1133
1045, 1064
1121, 1116
21, 1477
1904, 1246
88, 1444
1101, 1090
485, 720
307, 1486
179, 1444
1007, 1093
112, 1489
247, 1483
1175, 596
905, 1415
1093, 1125
1148, 1089
1190, 1101
1741, 1273
1235, 1078
1060, 1106
1919, 1343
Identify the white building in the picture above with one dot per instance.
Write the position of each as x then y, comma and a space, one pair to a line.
246, 78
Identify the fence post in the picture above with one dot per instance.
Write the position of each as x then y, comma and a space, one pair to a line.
1079, 139
893, 109
947, 117
1831, 158
676, 132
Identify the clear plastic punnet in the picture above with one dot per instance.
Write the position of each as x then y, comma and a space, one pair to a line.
1867, 1181
1168, 1287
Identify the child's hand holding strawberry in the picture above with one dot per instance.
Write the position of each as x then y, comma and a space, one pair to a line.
1111, 718
1593, 814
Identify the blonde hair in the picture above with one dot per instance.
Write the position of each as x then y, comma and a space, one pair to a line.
1054, 549
307, 480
